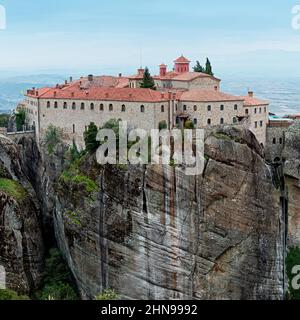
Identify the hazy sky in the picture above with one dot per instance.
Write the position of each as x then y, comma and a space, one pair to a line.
243, 37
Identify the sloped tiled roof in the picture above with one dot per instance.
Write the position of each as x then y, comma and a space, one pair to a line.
203, 95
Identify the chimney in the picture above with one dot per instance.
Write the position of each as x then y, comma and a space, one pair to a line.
37, 93
86, 93
130, 95
162, 70
162, 95
90, 77
71, 79
251, 94
66, 82
120, 75
72, 94
54, 93
141, 71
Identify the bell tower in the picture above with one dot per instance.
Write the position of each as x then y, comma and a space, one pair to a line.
182, 65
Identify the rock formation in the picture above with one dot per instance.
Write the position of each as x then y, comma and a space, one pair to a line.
150, 232
21, 243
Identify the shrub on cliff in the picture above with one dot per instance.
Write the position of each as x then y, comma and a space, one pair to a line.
6, 294
107, 295
57, 284
52, 138
20, 119
90, 135
292, 260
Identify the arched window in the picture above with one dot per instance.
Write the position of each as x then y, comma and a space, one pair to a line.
55, 105
162, 108
274, 140
74, 128
221, 121
111, 107
260, 110
235, 107
255, 110
246, 111
261, 123
48, 104
92, 106
184, 108
208, 108
65, 105
101, 107
222, 107
73, 105
209, 122
280, 140
82, 106
123, 108
143, 108
195, 121
195, 108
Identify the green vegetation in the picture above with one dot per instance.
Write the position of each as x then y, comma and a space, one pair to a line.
198, 67
91, 144
107, 295
6, 294
221, 136
4, 118
208, 68
189, 125
73, 217
12, 189
163, 125
147, 81
20, 119
52, 138
292, 260
74, 176
58, 283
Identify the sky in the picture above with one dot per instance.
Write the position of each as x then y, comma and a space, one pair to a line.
253, 38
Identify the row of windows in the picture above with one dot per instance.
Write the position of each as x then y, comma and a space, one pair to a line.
261, 124
256, 109
92, 106
222, 121
209, 107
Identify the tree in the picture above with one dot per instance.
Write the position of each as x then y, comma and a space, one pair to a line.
52, 138
20, 119
208, 67
91, 144
148, 81
198, 67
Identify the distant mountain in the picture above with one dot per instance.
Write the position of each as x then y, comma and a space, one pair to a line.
13, 88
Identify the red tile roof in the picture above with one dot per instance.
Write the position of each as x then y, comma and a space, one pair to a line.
102, 93
253, 102
182, 59
203, 95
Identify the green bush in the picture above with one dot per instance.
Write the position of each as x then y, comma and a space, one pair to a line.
292, 260
90, 135
163, 125
189, 125
52, 138
20, 119
4, 118
6, 294
107, 295
57, 282
12, 189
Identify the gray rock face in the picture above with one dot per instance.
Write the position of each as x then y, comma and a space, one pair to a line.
21, 242
154, 233
291, 154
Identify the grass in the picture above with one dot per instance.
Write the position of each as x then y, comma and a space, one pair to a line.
79, 179
73, 217
222, 136
12, 189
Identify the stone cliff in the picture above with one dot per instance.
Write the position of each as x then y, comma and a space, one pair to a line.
21, 242
291, 155
150, 232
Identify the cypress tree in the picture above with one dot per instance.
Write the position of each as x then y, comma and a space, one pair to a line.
208, 68
148, 81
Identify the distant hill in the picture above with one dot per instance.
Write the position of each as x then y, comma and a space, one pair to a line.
12, 88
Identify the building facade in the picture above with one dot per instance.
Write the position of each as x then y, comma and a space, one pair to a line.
180, 96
